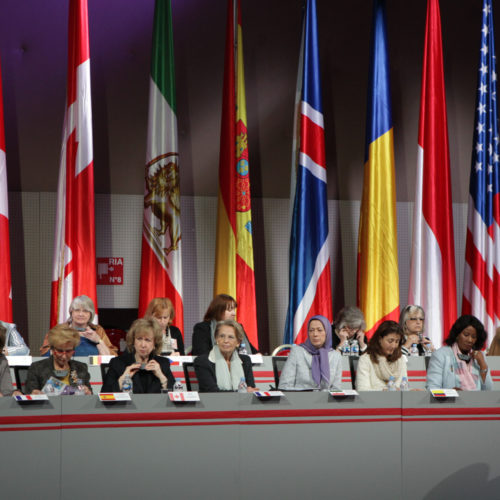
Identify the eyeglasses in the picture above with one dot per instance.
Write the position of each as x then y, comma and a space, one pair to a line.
416, 319
351, 331
62, 351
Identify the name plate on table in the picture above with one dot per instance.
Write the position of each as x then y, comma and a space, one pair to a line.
268, 394
256, 359
344, 393
179, 360
184, 397
110, 397
100, 360
30, 398
444, 393
19, 360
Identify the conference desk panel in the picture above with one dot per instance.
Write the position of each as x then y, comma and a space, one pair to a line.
317, 446
376, 445
231, 445
30, 440
451, 446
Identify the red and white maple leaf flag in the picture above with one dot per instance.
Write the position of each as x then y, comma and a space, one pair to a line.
5, 276
74, 262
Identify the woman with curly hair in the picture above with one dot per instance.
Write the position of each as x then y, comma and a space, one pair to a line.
460, 364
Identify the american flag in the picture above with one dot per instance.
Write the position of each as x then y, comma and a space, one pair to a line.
482, 254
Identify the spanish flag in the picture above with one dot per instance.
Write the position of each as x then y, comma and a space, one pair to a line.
234, 267
378, 278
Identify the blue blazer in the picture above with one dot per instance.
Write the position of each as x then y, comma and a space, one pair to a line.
443, 368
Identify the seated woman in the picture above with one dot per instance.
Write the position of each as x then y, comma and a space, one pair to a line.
93, 338
382, 359
162, 310
150, 373
223, 368
350, 325
63, 341
412, 320
221, 308
6, 388
494, 349
14, 342
313, 364
460, 364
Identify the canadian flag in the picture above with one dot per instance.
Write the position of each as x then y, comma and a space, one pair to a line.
74, 262
5, 278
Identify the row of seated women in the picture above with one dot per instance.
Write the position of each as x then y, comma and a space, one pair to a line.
314, 364
460, 364
219, 370
349, 326
94, 341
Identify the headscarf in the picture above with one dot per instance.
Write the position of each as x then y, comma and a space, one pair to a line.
320, 366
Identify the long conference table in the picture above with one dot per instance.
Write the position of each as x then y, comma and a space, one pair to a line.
387, 445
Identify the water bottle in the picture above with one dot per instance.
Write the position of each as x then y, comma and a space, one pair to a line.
79, 389
354, 348
414, 350
127, 385
404, 384
243, 348
178, 386
346, 350
242, 386
391, 384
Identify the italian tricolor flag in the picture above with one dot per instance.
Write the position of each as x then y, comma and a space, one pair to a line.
161, 266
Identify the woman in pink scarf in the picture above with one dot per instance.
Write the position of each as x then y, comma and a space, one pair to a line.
461, 364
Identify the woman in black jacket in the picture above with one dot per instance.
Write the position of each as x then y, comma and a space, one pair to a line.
221, 308
150, 373
223, 368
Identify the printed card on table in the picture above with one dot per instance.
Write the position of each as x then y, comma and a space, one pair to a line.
19, 360
444, 393
183, 397
256, 359
107, 397
31, 397
268, 394
99, 360
179, 360
345, 392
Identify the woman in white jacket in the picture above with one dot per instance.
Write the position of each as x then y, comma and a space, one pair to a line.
382, 360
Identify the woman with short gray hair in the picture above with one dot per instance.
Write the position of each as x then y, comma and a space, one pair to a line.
350, 326
93, 338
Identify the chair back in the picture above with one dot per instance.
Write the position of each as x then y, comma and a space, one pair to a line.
353, 363
278, 363
190, 376
104, 371
21, 374
282, 350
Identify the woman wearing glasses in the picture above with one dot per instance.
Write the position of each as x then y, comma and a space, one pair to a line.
412, 320
59, 366
349, 327
93, 338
